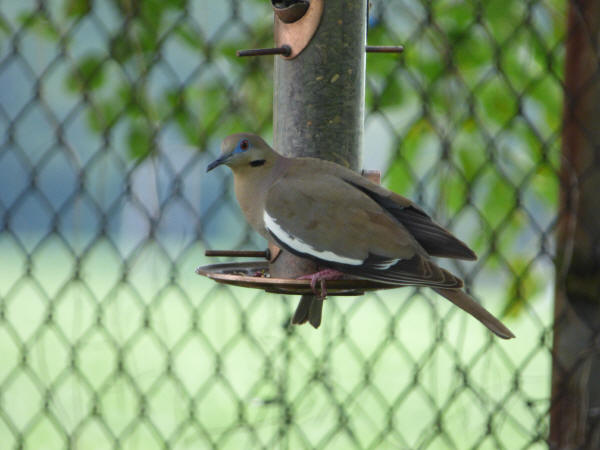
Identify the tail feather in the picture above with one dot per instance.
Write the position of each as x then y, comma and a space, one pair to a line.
466, 303
310, 309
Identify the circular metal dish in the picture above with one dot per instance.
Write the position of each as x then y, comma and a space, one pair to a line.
255, 274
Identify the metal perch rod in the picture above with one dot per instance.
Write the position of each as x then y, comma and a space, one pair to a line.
384, 48
285, 50
241, 253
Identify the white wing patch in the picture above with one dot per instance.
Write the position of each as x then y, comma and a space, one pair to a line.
386, 264
302, 247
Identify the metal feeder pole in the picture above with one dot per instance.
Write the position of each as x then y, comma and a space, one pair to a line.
319, 99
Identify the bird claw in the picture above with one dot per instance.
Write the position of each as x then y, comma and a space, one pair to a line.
321, 276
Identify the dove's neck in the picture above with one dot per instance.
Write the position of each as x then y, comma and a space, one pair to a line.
251, 187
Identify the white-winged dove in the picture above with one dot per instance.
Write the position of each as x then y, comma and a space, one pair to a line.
325, 212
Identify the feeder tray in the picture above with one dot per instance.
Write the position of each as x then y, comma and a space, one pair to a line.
255, 274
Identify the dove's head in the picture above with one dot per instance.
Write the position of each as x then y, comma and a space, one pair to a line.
244, 151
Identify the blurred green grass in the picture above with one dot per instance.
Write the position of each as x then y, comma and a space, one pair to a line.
154, 355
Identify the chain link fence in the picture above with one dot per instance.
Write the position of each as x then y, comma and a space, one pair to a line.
109, 113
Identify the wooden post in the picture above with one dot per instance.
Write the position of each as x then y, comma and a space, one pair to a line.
575, 407
319, 100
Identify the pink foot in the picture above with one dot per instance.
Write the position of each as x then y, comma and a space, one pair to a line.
322, 276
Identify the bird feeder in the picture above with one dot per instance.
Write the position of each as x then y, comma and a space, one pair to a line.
321, 47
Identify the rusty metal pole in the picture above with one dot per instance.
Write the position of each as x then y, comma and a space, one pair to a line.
319, 100
575, 406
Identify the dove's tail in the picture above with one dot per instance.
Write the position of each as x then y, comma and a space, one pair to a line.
461, 299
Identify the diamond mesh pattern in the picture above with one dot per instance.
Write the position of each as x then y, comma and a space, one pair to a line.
109, 339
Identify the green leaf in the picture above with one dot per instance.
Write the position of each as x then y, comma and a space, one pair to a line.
77, 8
391, 95
545, 184
499, 200
88, 75
139, 141
525, 285
4, 26
37, 22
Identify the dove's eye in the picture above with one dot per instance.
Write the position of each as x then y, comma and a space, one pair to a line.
244, 145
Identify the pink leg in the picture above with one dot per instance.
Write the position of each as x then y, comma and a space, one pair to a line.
322, 276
